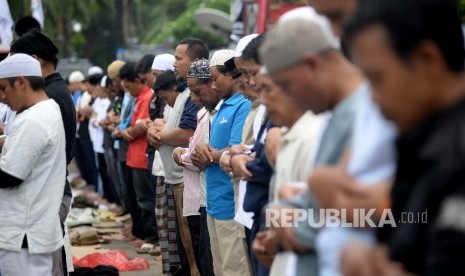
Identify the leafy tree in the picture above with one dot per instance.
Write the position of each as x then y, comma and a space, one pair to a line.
181, 24
152, 22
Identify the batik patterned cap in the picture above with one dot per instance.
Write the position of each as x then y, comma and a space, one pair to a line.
199, 69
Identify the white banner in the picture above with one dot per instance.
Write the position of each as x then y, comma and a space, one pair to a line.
37, 11
6, 23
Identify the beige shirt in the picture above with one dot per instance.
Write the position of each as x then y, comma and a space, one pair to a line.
294, 161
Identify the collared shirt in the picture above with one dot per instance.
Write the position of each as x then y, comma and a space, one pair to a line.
215, 111
173, 172
34, 152
126, 111
127, 108
194, 184
372, 161
335, 140
298, 145
76, 94
258, 188
57, 90
136, 157
294, 163
429, 188
226, 130
250, 132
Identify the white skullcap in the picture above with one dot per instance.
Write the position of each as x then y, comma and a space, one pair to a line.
94, 70
243, 42
309, 13
163, 62
221, 56
103, 81
297, 33
20, 65
76, 76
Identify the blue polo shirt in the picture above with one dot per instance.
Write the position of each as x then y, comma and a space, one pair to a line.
226, 130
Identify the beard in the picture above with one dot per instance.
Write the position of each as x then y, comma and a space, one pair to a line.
210, 107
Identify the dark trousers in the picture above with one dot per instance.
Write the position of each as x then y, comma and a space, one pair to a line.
110, 159
109, 192
124, 199
85, 158
141, 199
258, 268
201, 242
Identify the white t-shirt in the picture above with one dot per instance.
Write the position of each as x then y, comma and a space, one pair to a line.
99, 108
34, 151
6, 117
83, 101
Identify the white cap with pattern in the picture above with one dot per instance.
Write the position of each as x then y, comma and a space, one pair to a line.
221, 56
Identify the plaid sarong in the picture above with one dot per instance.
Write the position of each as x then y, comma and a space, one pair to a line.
165, 212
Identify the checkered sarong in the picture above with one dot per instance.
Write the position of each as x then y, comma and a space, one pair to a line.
165, 212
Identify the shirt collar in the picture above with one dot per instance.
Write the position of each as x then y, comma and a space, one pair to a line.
52, 77
181, 86
144, 91
419, 136
234, 99
217, 108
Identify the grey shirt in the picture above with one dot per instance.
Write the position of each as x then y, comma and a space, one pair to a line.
173, 172
335, 139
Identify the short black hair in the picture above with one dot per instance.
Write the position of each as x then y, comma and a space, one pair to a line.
128, 72
94, 79
413, 21
144, 65
250, 52
165, 81
36, 43
196, 48
223, 69
36, 83
231, 65
25, 24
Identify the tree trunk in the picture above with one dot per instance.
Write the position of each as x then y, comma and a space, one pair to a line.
64, 33
126, 24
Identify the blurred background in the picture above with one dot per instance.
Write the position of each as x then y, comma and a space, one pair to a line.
96, 32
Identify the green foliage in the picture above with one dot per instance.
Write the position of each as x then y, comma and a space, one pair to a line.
154, 22
462, 10
183, 24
